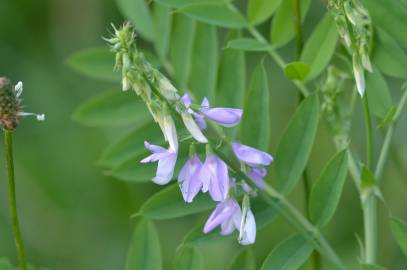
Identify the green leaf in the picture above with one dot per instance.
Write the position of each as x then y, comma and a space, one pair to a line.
96, 63
389, 117
261, 10
232, 76
168, 203
162, 17
6, 265
204, 62
216, 14
297, 70
144, 250
248, 44
112, 108
378, 93
183, 3
244, 260
399, 230
391, 16
296, 144
320, 46
389, 57
189, 259
371, 267
131, 145
289, 254
181, 47
137, 12
255, 125
327, 190
282, 28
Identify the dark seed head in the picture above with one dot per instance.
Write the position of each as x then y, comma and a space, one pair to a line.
10, 105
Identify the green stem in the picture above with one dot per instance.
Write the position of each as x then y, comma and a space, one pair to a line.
369, 206
298, 26
8, 141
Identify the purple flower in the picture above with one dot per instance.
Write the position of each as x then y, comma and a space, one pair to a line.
257, 175
190, 178
166, 162
247, 228
227, 117
227, 214
194, 126
215, 177
251, 156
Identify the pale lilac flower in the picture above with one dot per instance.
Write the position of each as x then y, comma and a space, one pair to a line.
227, 214
257, 175
169, 130
215, 177
227, 117
166, 162
193, 126
247, 228
189, 178
251, 156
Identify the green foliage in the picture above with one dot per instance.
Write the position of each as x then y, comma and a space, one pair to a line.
168, 203
399, 230
320, 47
378, 93
94, 62
112, 108
371, 267
261, 10
327, 190
289, 254
216, 14
144, 250
139, 14
297, 70
244, 260
162, 17
188, 259
255, 127
282, 28
296, 144
248, 44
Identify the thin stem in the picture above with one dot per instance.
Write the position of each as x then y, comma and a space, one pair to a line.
298, 26
8, 141
369, 206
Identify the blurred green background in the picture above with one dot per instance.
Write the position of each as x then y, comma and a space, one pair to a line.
75, 217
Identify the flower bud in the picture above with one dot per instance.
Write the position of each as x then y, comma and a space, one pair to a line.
10, 104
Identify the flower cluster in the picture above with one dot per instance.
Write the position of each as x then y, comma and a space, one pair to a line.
355, 28
210, 176
10, 105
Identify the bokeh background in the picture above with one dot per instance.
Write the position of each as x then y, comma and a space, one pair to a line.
73, 216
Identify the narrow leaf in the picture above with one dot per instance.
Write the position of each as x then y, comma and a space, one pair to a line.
244, 260
320, 46
296, 144
288, 255
389, 57
282, 28
112, 108
248, 44
378, 93
255, 126
399, 230
189, 259
162, 24
389, 117
371, 267
261, 10
181, 48
216, 14
183, 3
204, 62
139, 14
297, 71
144, 250
168, 203
96, 63
327, 190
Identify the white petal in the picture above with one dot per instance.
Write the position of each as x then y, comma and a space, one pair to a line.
193, 128
248, 229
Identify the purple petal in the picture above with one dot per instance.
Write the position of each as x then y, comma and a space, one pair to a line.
190, 179
228, 226
186, 100
219, 178
248, 230
200, 120
165, 169
228, 117
193, 128
205, 104
154, 148
257, 175
223, 211
251, 156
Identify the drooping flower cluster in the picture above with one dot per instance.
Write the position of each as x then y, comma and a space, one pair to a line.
10, 105
355, 28
212, 175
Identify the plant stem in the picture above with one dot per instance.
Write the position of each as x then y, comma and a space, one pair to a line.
298, 26
369, 206
8, 141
